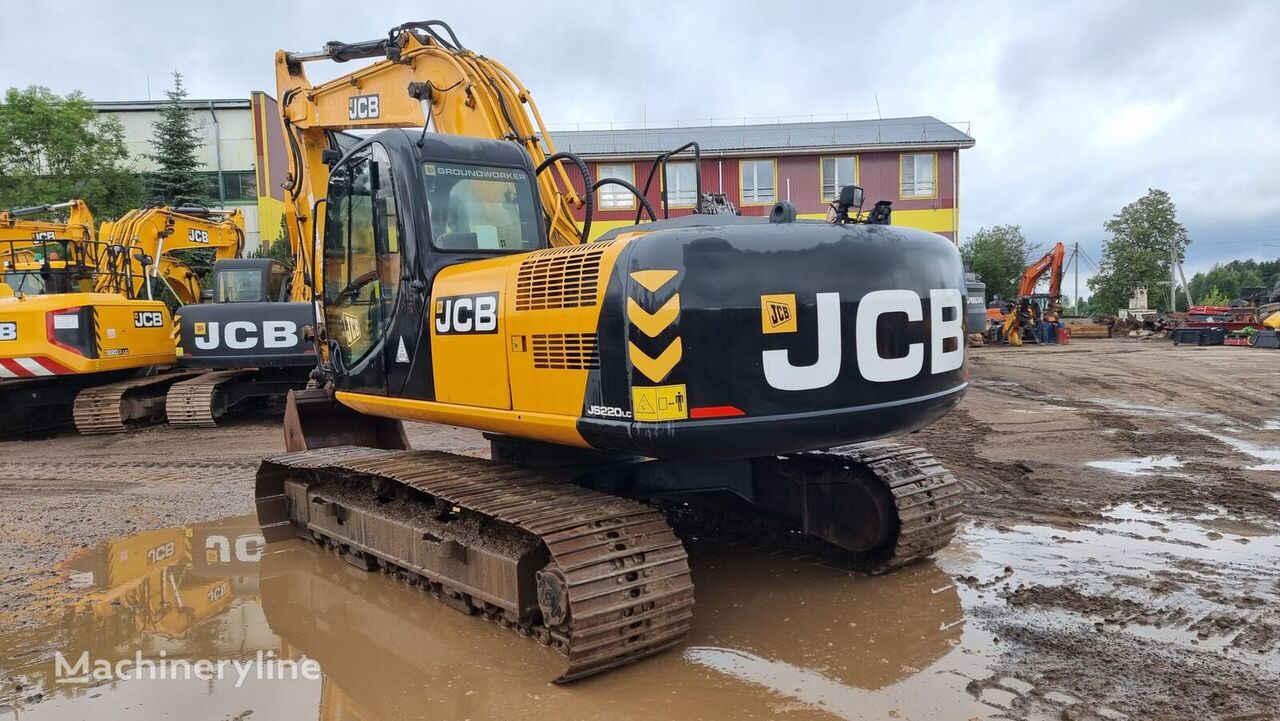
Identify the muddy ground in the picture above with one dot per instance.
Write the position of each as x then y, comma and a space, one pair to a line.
1121, 560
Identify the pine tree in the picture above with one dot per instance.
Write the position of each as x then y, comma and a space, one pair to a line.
176, 181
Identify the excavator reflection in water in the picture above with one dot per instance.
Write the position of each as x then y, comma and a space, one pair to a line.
212, 591
171, 589
373, 636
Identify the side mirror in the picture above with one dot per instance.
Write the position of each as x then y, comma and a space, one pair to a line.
206, 295
330, 156
143, 258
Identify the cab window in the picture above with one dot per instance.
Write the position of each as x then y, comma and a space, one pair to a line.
239, 286
480, 208
361, 252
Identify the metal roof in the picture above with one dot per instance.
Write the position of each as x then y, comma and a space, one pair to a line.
124, 106
785, 137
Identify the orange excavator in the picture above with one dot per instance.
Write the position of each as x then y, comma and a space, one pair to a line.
1018, 319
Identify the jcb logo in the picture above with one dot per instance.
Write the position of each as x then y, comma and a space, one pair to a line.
42, 235
946, 340
243, 334
778, 313
195, 235
160, 553
217, 592
147, 319
476, 313
8, 331
362, 107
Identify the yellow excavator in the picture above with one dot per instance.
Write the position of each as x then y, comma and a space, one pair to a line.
81, 336
705, 374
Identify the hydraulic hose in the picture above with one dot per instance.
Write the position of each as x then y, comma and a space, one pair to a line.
644, 202
590, 192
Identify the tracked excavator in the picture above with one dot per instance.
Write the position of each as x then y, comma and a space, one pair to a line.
715, 375
1018, 322
81, 337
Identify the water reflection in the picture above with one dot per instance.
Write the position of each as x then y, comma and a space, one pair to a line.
771, 634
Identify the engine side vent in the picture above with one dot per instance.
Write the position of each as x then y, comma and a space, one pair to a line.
566, 351
567, 277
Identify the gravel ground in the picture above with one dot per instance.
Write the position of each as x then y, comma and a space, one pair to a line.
1120, 561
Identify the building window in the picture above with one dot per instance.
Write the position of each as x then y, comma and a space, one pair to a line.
240, 185
837, 173
919, 175
615, 197
681, 184
758, 181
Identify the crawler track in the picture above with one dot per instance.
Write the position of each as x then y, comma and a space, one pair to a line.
196, 403
115, 407
926, 500
615, 588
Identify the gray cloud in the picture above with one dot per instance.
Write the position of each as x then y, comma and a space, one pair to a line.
1078, 107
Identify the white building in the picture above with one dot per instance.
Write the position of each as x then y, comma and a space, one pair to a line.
229, 155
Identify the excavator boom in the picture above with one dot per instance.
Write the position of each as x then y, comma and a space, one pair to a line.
1050, 263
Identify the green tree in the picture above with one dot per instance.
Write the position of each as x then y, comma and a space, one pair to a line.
175, 139
280, 248
1143, 234
1213, 297
1229, 278
55, 148
998, 255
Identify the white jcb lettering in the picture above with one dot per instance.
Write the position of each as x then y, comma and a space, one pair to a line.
872, 365
946, 329
486, 313
943, 360
209, 340
784, 376
279, 334
241, 334
462, 315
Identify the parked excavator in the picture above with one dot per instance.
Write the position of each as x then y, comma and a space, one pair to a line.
705, 374
81, 335
1018, 319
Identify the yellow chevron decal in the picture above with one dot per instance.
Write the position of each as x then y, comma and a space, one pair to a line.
652, 280
655, 369
651, 324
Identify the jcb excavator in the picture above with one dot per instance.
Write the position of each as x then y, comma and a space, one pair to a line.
708, 371
80, 334
1030, 307
20, 225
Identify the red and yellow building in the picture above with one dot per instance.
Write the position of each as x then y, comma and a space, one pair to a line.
912, 162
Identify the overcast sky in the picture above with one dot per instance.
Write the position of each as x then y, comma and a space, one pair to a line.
1077, 108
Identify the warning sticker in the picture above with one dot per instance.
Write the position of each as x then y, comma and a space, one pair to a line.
778, 313
659, 403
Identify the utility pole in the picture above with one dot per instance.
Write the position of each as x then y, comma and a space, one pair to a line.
1075, 258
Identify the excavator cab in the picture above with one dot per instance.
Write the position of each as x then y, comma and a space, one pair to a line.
247, 280
401, 209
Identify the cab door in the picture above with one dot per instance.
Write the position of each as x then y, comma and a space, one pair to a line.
362, 267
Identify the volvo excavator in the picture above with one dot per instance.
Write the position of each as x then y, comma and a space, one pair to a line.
713, 375
1017, 323
81, 335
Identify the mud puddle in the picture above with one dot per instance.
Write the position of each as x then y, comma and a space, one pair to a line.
1137, 466
772, 636
1159, 599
